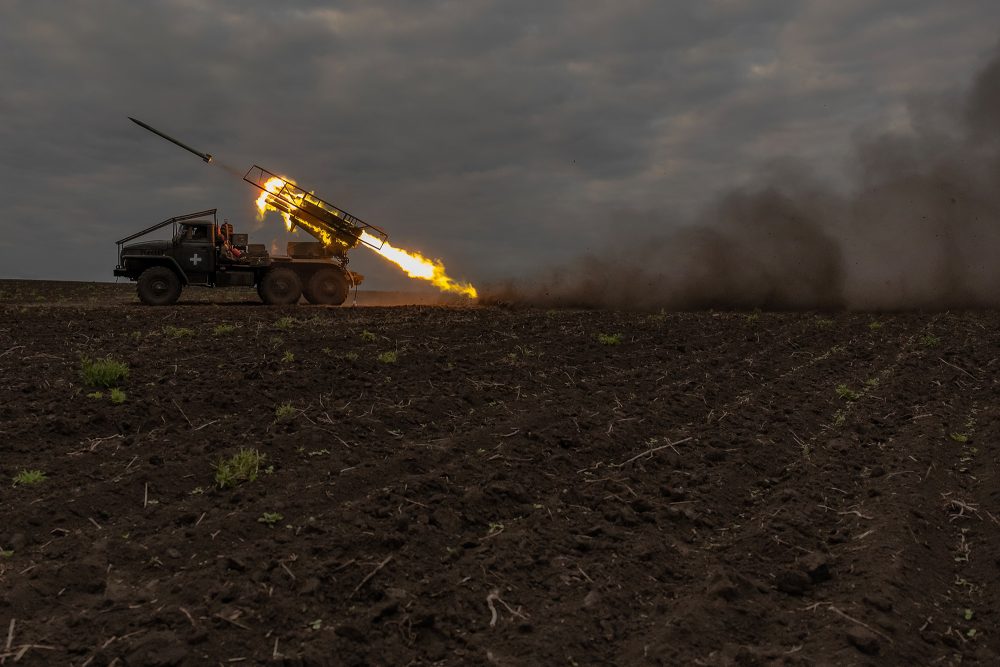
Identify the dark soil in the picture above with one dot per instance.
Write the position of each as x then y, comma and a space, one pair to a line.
509, 490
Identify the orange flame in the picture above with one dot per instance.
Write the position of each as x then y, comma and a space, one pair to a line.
417, 266
413, 264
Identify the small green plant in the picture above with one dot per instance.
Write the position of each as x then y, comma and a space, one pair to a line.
959, 437
929, 340
243, 466
968, 614
316, 625
609, 339
389, 357
103, 372
29, 477
96, 394
871, 382
824, 322
351, 356
223, 329
752, 317
270, 518
177, 332
285, 323
846, 393
659, 317
6, 553
367, 336
117, 396
284, 412
839, 418
288, 357
875, 325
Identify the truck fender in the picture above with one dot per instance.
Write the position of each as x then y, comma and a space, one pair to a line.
146, 261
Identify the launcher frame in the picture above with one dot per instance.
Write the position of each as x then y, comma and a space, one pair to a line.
307, 210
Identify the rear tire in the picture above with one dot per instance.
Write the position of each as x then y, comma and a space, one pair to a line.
158, 286
280, 287
327, 287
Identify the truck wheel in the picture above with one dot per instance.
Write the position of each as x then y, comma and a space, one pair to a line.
326, 287
158, 286
280, 287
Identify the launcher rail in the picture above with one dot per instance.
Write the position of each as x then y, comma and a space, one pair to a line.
328, 224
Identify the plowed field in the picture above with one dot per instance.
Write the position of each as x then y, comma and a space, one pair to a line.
445, 485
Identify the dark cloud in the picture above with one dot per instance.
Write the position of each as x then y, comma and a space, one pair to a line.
499, 136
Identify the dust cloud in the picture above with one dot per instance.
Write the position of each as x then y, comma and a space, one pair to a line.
919, 228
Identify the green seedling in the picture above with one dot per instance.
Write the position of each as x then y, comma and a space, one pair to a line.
243, 466
609, 339
117, 396
871, 382
388, 357
284, 412
659, 317
824, 323
96, 394
288, 357
875, 325
103, 372
846, 393
270, 518
959, 437
177, 332
930, 340
223, 330
29, 478
351, 356
285, 323
6, 553
367, 336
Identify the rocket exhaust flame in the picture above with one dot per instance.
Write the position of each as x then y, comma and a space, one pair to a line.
275, 196
416, 265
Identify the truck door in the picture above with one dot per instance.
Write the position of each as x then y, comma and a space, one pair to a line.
196, 252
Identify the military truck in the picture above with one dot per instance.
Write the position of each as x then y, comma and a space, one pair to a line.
198, 255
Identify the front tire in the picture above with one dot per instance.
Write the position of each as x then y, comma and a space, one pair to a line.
280, 287
327, 287
159, 286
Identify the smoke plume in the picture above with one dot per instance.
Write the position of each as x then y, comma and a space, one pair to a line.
919, 228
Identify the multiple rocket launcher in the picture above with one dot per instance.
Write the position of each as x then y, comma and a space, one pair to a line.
336, 229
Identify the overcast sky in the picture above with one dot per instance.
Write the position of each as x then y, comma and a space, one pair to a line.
498, 135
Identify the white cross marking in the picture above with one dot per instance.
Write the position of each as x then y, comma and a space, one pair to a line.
195, 259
